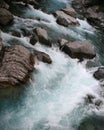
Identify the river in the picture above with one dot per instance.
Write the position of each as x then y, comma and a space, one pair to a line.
54, 98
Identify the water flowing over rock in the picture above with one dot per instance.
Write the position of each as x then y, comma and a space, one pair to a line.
64, 19
99, 74
42, 36
16, 63
79, 49
5, 16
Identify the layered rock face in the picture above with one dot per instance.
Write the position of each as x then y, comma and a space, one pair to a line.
15, 64
93, 10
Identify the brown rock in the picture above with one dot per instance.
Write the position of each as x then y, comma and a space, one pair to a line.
65, 20
42, 36
42, 56
17, 62
5, 16
69, 11
79, 49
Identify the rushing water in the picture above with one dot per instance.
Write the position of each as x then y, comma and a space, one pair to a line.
54, 98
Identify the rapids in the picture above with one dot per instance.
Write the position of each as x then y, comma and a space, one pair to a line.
54, 97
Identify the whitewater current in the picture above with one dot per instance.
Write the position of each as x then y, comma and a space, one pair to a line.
54, 99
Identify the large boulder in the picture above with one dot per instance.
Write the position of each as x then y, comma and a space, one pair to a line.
65, 19
99, 74
79, 49
5, 16
42, 56
42, 36
16, 63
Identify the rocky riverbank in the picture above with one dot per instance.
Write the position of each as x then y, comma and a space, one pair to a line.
92, 10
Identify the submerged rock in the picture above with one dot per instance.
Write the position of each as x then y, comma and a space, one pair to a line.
65, 19
5, 16
42, 56
15, 66
79, 49
99, 74
42, 36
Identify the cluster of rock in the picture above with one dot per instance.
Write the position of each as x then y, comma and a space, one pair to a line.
18, 60
93, 10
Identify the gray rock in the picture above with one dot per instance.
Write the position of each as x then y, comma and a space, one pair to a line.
99, 74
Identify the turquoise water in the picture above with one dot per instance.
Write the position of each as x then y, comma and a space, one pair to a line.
54, 98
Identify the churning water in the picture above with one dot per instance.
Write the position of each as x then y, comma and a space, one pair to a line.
54, 97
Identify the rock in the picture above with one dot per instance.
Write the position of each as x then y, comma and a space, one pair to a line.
70, 11
62, 42
42, 36
65, 20
16, 33
89, 98
98, 102
16, 64
79, 49
3, 4
5, 16
42, 56
33, 39
99, 74
26, 32
93, 10
0, 44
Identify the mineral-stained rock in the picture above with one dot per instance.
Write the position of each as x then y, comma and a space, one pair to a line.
15, 66
79, 49
42, 56
5, 16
